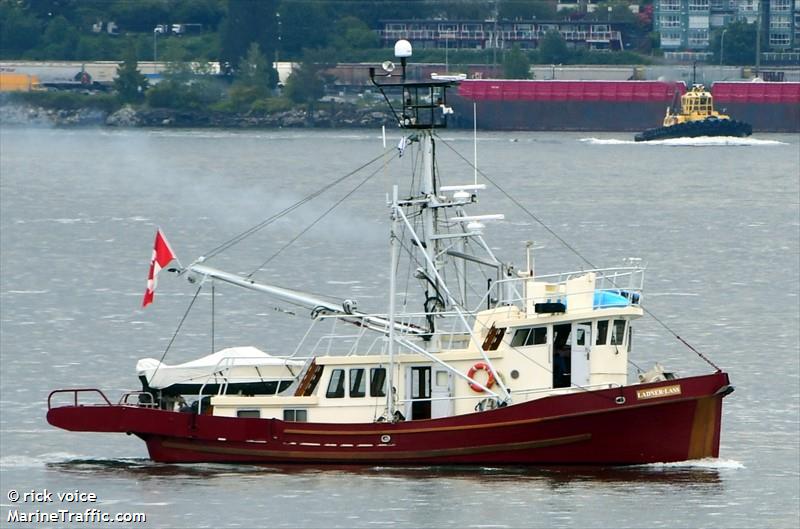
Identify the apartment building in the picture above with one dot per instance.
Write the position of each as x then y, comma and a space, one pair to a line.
781, 24
687, 24
477, 34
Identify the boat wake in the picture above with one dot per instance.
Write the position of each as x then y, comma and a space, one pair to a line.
689, 142
708, 463
22, 461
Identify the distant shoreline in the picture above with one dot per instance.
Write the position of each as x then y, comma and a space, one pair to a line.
331, 116
495, 115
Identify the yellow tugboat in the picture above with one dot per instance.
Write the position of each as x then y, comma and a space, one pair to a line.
696, 117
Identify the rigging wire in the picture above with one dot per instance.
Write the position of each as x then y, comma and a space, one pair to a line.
574, 250
175, 335
266, 222
307, 228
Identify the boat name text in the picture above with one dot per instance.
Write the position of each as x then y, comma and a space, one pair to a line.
655, 393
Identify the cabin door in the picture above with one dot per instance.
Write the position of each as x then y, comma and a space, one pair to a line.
579, 354
441, 391
419, 386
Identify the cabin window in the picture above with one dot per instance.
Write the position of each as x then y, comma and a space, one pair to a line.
249, 414
602, 332
618, 332
336, 385
377, 382
529, 336
295, 415
580, 334
358, 383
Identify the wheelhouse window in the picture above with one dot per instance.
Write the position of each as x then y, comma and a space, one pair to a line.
295, 415
336, 385
377, 382
358, 382
602, 332
618, 332
249, 414
529, 336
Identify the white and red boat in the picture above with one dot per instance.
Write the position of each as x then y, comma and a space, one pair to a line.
522, 369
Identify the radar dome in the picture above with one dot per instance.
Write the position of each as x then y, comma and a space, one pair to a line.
402, 48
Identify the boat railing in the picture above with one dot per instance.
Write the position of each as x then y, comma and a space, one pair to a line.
626, 281
334, 341
143, 399
222, 375
534, 392
75, 392
560, 391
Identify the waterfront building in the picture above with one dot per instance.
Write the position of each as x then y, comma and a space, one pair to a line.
479, 34
590, 6
686, 25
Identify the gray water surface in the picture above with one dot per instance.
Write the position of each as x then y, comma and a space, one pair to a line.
717, 223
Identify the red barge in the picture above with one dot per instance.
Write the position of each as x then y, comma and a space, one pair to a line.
616, 105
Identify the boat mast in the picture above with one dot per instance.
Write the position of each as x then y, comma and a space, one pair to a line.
430, 222
390, 395
424, 109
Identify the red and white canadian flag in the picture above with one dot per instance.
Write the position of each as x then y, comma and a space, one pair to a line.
162, 255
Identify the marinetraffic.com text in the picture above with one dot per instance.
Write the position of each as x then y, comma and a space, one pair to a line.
72, 506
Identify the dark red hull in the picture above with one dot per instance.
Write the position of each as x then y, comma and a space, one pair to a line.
675, 420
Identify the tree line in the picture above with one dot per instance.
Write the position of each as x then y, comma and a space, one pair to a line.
246, 36
284, 29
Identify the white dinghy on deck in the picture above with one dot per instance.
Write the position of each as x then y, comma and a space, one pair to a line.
241, 369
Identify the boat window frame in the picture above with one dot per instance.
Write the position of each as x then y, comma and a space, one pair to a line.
295, 413
362, 390
530, 335
248, 413
601, 331
580, 338
339, 391
372, 385
614, 339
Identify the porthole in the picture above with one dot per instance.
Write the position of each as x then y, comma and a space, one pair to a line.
386, 438
514, 374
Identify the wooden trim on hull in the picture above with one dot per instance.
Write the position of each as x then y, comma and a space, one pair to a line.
704, 440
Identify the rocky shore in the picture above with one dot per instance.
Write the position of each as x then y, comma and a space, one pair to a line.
339, 115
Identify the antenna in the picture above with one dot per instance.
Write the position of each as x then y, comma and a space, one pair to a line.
475, 140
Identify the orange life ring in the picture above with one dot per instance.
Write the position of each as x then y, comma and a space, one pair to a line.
471, 374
